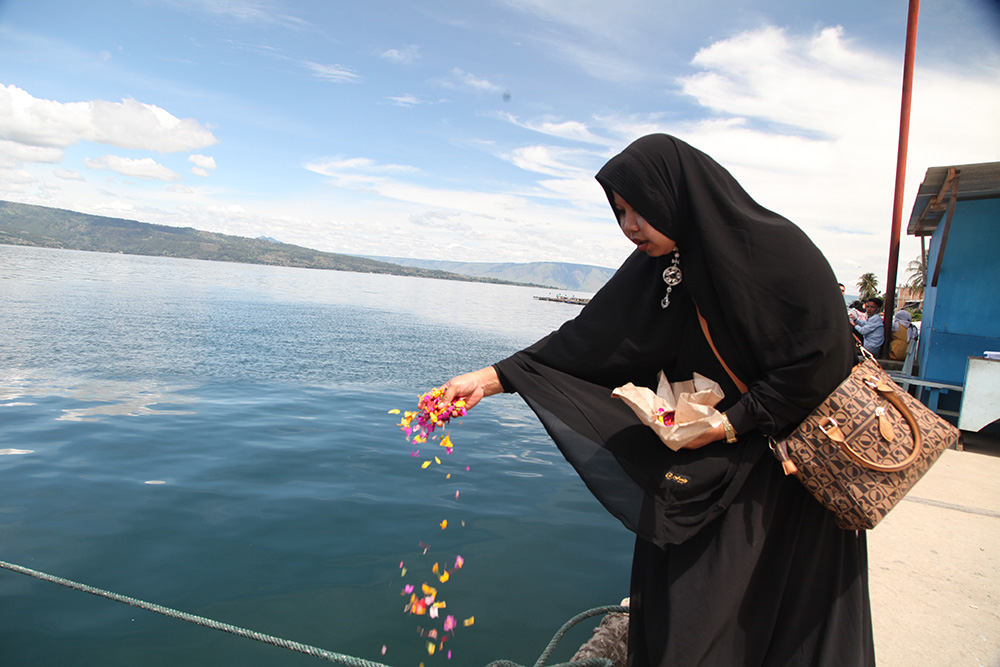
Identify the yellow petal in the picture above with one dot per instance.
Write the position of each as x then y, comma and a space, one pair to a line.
444, 524
435, 568
425, 464
430, 648
437, 460
469, 621
444, 576
446, 441
394, 411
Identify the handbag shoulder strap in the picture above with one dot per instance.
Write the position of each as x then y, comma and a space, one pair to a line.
732, 376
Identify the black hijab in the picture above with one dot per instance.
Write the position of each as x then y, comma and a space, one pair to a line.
774, 312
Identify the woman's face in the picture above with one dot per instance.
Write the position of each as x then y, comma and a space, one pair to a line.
640, 232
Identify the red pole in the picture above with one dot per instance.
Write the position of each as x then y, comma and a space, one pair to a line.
904, 136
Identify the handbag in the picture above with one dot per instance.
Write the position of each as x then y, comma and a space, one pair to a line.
865, 446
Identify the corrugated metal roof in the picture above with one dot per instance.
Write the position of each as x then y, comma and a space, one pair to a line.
976, 181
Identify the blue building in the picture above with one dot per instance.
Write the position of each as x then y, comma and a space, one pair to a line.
958, 207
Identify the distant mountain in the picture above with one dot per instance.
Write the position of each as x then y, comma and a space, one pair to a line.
582, 277
26, 224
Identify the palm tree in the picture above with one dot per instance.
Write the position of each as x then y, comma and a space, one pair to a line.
917, 274
868, 286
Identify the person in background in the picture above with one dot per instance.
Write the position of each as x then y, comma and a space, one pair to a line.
856, 313
734, 563
871, 331
903, 331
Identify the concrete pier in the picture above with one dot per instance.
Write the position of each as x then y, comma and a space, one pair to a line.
934, 566
934, 563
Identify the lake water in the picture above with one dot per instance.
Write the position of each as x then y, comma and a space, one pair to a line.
214, 438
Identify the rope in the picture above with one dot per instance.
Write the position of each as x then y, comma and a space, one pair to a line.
314, 651
348, 660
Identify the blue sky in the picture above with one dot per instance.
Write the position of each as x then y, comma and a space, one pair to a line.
472, 129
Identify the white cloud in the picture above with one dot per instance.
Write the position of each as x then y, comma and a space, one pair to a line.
13, 153
404, 56
68, 175
331, 73
144, 168
566, 129
462, 80
809, 125
28, 120
339, 166
255, 12
16, 177
406, 100
551, 161
198, 171
203, 161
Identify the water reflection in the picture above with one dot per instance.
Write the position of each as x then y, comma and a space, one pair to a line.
105, 398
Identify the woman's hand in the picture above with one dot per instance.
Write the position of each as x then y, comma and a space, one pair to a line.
473, 387
707, 438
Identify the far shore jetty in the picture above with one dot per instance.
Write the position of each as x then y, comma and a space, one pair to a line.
575, 300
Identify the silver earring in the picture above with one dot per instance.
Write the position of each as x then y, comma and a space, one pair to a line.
672, 277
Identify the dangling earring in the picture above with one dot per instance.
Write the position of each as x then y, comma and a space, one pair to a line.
672, 277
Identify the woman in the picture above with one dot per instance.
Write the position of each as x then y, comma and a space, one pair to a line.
734, 564
903, 332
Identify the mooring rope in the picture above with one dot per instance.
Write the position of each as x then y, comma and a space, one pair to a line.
350, 661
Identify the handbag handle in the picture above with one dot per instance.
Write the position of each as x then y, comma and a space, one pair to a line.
834, 433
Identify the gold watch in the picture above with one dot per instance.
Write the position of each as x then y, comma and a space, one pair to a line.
727, 426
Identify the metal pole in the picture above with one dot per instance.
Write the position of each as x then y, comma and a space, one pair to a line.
897, 204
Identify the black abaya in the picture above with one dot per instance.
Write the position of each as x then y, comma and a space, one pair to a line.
734, 563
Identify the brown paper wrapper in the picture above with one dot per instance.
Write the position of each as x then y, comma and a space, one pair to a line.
692, 402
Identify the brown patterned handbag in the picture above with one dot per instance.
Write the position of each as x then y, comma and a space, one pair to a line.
865, 446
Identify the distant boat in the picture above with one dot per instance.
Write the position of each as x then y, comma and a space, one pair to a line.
576, 301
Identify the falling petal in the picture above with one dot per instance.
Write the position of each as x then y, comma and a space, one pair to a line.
433, 613
402, 572
444, 524
446, 441
459, 562
466, 468
407, 589
469, 621
444, 576
425, 464
435, 568
456, 495
384, 649
437, 460
448, 476
430, 648
394, 411
415, 453
449, 654
449, 623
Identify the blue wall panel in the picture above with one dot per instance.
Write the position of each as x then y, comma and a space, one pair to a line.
962, 314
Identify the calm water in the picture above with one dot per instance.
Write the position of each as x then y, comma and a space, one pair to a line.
214, 438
